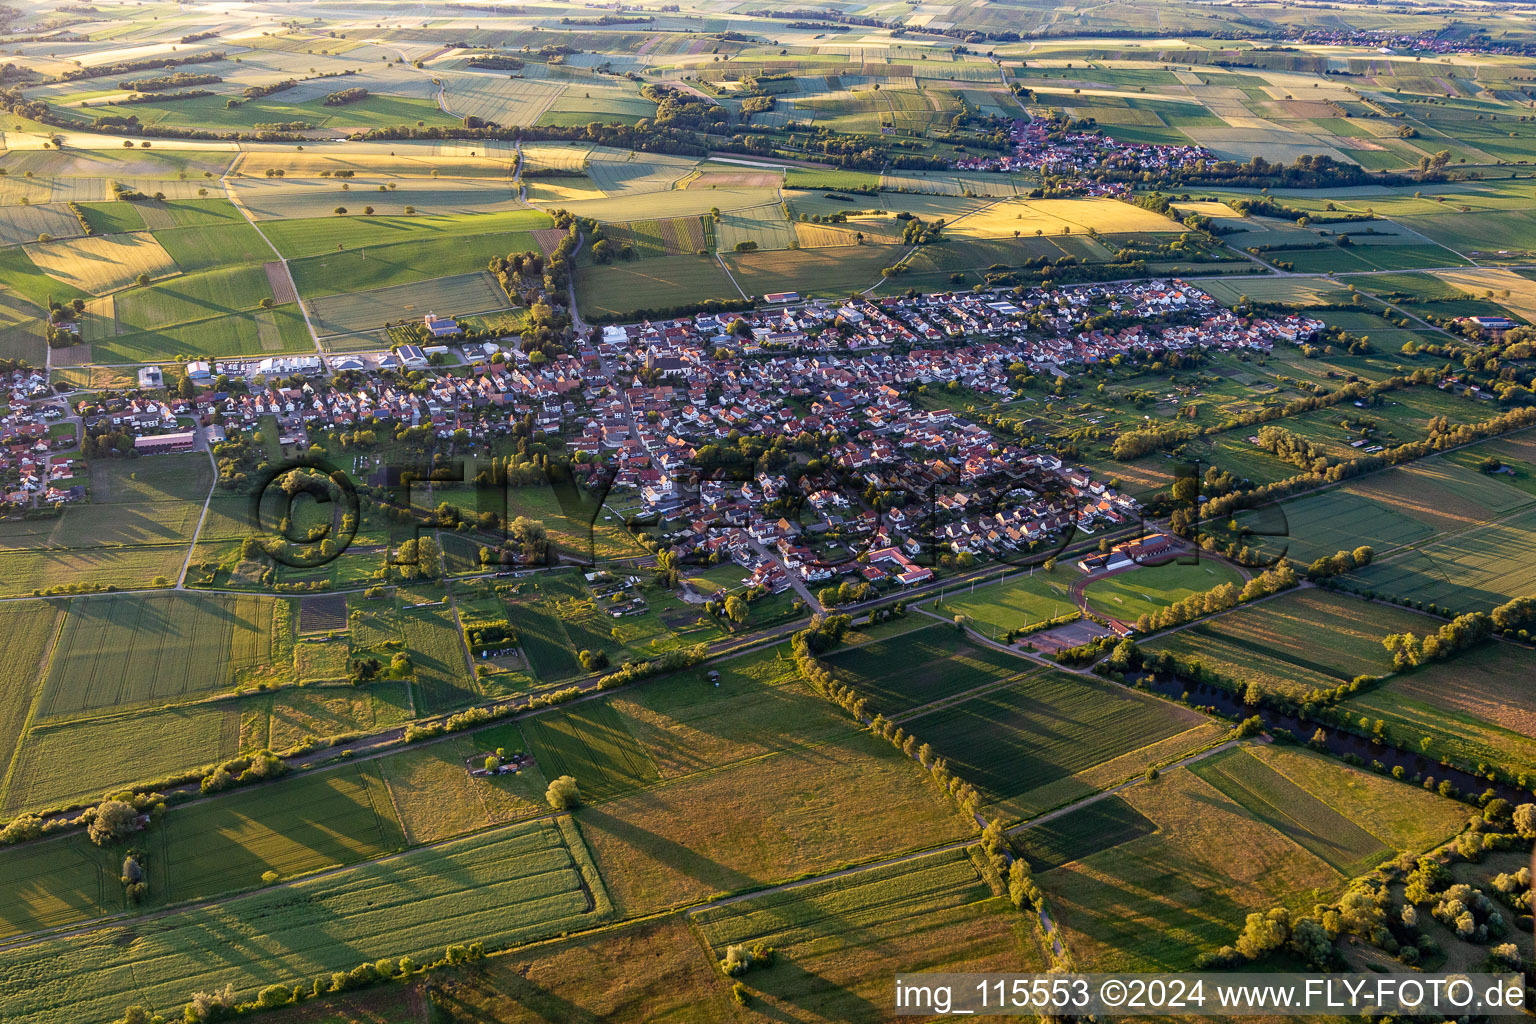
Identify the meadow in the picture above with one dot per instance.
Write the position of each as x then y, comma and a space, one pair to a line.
837, 934
369, 310
1029, 745
592, 744
436, 797
57, 882
802, 811
102, 263
304, 824
433, 640
1472, 570
611, 292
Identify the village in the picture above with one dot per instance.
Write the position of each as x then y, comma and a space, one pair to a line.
842, 384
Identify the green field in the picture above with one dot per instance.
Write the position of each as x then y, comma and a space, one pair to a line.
1149, 588
297, 826
1475, 708
316, 236
1172, 869
592, 744
370, 310
131, 747
1473, 570
511, 885
141, 648
619, 289
436, 647
1292, 811
1027, 745
920, 667
57, 882
367, 265
27, 630
935, 909
1296, 643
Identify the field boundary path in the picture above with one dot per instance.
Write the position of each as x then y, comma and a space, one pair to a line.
234, 200
204, 446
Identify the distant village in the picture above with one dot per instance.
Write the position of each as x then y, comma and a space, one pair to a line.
636, 403
1042, 147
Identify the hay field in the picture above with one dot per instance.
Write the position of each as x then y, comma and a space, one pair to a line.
674, 203
1175, 872
505, 887
102, 263
1521, 291
560, 156
499, 99
26, 223
286, 198
622, 173
483, 159
1026, 216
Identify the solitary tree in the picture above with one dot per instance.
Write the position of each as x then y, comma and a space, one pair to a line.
114, 821
563, 793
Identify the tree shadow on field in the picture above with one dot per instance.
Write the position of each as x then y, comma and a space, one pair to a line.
666, 851
507, 986
790, 992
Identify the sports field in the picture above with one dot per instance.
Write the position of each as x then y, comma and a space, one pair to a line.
1023, 600
1029, 745
1149, 588
921, 666
1298, 642
514, 884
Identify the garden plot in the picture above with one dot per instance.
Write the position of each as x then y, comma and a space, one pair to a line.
102, 263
